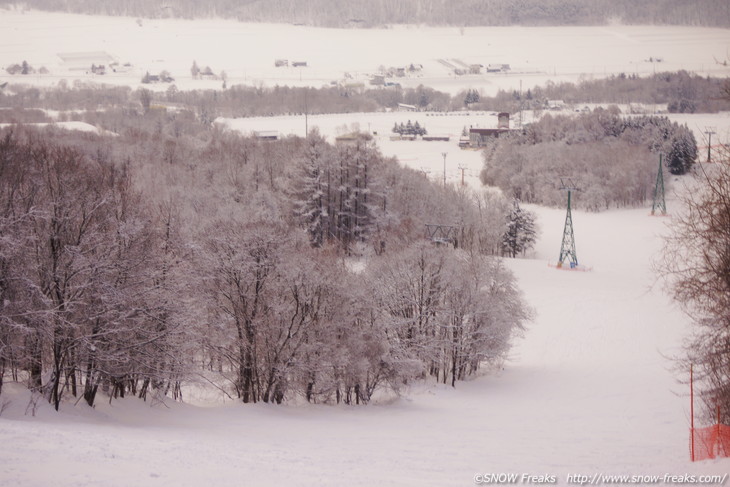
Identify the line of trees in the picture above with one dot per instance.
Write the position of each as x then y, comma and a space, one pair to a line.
696, 264
333, 13
681, 92
409, 128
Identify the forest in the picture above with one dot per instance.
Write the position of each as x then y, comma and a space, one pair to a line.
175, 252
171, 251
375, 13
613, 159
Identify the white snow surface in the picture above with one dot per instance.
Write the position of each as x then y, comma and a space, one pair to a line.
427, 156
80, 126
247, 51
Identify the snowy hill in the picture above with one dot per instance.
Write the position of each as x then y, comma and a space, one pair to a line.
587, 390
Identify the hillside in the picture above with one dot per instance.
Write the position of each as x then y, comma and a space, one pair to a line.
588, 390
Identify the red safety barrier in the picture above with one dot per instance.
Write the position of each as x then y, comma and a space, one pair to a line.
710, 442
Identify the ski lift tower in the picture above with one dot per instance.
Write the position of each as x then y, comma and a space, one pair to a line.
659, 202
567, 248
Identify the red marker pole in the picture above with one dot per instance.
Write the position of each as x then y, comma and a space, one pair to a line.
692, 414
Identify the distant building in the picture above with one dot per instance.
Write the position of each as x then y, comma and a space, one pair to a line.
281, 63
555, 104
497, 68
353, 138
377, 80
299, 64
479, 136
266, 134
432, 138
402, 107
80, 61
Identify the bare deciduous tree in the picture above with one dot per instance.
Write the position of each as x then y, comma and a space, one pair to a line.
697, 263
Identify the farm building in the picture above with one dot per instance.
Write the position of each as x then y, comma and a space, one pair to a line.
479, 136
82, 61
353, 139
497, 68
266, 134
432, 138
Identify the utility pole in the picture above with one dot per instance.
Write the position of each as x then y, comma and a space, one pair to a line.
709, 132
462, 168
659, 202
444, 154
520, 104
306, 114
567, 247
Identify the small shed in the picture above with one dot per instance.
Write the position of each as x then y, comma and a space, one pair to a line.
266, 134
432, 138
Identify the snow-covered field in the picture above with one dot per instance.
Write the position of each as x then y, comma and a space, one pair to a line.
427, 156
589, 388
247, 52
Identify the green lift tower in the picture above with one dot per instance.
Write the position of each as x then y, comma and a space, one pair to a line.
659, 203
567, 248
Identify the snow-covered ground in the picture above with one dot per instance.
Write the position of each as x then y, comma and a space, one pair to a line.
247, 52
588, 389
80, 126
427, 156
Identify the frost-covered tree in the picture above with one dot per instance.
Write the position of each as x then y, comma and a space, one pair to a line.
682, 151
450, 310
484, 312
614, 158
520, 233
472, 96
336, 190
88, 314
313, 203
697, 266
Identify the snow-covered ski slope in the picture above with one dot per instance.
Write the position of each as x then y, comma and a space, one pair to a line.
587, 390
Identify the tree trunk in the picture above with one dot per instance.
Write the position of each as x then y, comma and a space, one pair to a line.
36, 363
